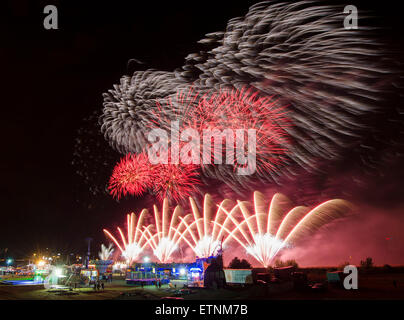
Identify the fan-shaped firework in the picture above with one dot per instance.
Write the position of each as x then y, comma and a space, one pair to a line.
132, 175
135, 242
168, 232
263, 234
337, 84
202, 233
105, 252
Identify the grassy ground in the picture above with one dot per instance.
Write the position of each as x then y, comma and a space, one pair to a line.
371, 286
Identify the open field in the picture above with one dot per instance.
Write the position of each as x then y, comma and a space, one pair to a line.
371, 286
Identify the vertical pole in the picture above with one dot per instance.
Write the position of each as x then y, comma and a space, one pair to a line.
88, 251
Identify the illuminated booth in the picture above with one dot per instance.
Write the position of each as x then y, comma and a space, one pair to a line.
196, 271
90, 275
150, 273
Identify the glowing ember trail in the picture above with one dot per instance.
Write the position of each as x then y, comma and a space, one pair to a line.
263, 235
168, 232
135, 242
202, 234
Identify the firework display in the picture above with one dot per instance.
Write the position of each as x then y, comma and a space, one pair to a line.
165, 238
202, 151
230, 110
134, 175
127, 108
334, 82
286, 86
106, 252
174, 181
214, 114
202, 233
245, 109
135, 242
264, 234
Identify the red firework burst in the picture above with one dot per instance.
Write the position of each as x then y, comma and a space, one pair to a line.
232, 109
132, 175
228, 109
175, 182
245, 109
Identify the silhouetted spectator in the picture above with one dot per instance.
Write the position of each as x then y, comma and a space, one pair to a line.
102, 285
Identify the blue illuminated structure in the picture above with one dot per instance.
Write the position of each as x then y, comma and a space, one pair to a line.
196, 270
149, 273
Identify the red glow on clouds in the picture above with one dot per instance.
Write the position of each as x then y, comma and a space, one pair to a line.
354, 239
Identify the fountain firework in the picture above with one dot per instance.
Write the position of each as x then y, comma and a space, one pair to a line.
202, 234
135, 242
105, 252
167, 234
263, 235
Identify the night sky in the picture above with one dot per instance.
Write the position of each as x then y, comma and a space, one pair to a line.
53, 79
